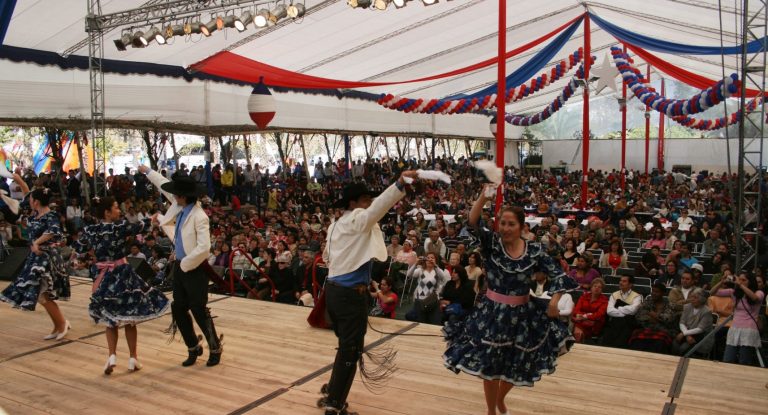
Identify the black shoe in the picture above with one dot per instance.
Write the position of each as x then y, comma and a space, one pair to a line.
193, 354
213, 359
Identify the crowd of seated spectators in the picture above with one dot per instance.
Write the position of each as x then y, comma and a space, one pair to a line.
646, 257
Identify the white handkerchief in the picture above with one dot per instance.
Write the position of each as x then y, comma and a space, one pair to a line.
492, 172
13, 204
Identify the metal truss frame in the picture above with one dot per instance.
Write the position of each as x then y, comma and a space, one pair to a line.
753, 71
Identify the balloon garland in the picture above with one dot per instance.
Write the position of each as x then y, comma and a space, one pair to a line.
717, 123
672, 107
555, 106
461, 106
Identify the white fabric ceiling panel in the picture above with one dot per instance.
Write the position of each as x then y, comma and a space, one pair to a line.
343, 43
168, 100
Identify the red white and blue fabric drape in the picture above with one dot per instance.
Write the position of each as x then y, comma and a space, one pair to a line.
556, 105
482, 102
701, 102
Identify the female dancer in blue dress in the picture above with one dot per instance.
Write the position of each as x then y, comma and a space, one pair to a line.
509, 339
120, 297
43, 278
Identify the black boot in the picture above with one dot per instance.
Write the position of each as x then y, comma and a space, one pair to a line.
194, 352
215, 356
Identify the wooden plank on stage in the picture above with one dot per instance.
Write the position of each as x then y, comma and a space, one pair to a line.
714, 388
587, 379
274, 363
13, 407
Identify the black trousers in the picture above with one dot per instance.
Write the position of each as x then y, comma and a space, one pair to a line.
190, 294
348, 309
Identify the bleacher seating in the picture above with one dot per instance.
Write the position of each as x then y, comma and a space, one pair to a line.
595, 252
630, 272
633, 244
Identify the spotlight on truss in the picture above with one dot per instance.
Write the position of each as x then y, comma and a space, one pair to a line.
122, 43
262, 18
208, 28
359, 4
153, 34
277, 13
138, 40
296, 11
174, 30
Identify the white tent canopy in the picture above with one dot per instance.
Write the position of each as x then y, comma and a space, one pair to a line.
336, 41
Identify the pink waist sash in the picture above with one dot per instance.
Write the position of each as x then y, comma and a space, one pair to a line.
513, 300
105, 266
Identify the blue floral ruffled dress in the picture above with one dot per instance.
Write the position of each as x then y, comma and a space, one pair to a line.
43, 276
516, 344
121, 297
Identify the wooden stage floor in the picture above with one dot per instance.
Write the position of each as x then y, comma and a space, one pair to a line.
273, 363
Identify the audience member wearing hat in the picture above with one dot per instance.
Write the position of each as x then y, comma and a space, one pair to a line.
186, 224
353, 241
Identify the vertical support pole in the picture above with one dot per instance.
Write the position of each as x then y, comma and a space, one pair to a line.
647, 122
84, 187
386, 147
585, 111
660, 150
623, 133
306, 160
433, 152
93, 26
741, 246
347, 156
501, 94
208, 158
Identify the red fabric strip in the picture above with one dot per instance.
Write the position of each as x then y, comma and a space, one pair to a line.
233, 66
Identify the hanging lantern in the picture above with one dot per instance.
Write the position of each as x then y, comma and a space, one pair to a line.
492, 126
261, 106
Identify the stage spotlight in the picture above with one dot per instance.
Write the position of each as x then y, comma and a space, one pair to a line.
234, 22
277, 13
245, 19
261, 18
208, 28
138, 40
174, 30
123, 42
296, 10
381, 4
399, 3
193, 28
359, 4
153, 34
429, 2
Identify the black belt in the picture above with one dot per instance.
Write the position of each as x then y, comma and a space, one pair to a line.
360, 288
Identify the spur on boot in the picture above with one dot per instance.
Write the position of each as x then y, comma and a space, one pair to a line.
193, 354
343, 411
